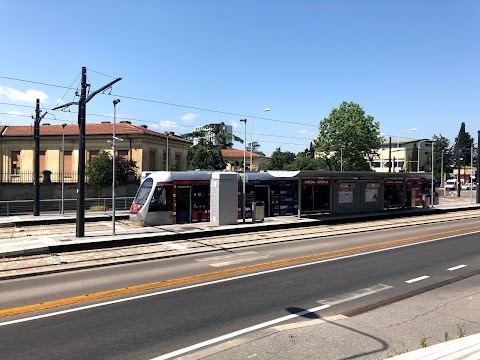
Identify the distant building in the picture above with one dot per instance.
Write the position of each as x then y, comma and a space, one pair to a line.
146, 147
234, 158
402, 156
210, 136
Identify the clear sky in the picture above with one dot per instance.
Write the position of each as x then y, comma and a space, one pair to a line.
409, 64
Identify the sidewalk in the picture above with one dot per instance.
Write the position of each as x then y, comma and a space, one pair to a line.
443, 320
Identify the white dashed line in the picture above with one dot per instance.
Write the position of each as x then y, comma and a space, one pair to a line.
354, 295
456, 267
417, 279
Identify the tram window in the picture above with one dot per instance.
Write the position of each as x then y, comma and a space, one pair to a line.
143, 192
162, 198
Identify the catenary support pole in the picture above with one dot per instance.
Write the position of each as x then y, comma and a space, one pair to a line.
36, 135
478, 167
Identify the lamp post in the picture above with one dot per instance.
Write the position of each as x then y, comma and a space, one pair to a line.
471, 171
251, 138
114, 139
341, 159
432, 194
168, 133
244, 168
63, 168
441, 174
398, 136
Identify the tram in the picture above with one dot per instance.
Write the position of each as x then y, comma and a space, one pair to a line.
166, 197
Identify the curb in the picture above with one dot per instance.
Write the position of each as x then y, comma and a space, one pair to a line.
67, 220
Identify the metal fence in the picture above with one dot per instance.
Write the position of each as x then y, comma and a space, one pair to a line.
22, 207
25, 177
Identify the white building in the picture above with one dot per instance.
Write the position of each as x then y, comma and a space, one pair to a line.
210, 136
402, 155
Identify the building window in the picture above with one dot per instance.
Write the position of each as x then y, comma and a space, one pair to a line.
165, 160
178, 158
151, 160
68, 163
15, 162
92, 154
42, 161
122, 154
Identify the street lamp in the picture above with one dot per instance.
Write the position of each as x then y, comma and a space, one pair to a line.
341, 159
441, 174
114, 141
63, 168
251, 137
398, 136
244, 165
168, 133
432, 194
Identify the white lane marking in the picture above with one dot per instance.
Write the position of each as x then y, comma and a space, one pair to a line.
417, 279
456, 267
238, 333
354, 294
223, 257
86, 307
176, 246
239, 261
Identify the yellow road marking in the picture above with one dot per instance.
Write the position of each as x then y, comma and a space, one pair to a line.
217, 274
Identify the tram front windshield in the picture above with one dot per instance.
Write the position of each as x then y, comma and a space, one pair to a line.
142, 193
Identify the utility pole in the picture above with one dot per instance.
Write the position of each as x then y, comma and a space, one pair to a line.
390, 154
478, 168
82, 106
36, 135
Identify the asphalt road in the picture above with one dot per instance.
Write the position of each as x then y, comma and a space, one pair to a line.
159, 324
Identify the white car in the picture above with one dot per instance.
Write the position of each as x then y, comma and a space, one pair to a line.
469, 186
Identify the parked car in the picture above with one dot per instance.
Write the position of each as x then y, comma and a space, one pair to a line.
469, 186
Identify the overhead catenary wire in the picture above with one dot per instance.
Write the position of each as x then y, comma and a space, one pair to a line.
171, 104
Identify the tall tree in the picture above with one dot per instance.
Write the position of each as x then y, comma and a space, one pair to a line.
347, 132
207, 154
462, 147
99, 171
413, 162
279, 159
303, 162
441, 150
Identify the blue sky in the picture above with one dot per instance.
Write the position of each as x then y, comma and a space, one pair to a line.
409, 64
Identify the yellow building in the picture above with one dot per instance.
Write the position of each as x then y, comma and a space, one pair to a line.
146, 147
234, 156
402, 156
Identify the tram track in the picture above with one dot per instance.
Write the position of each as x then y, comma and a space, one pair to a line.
144, 252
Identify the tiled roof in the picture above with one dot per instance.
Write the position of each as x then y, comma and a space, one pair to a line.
90, 129
234, 153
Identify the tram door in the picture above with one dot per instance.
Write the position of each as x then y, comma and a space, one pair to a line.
184, 204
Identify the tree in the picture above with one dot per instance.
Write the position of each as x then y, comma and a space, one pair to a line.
442, 145
280, 159
303, 162
462, 147
207, 154
349, 128
253, 146
124, 169
99, 171
413, 163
